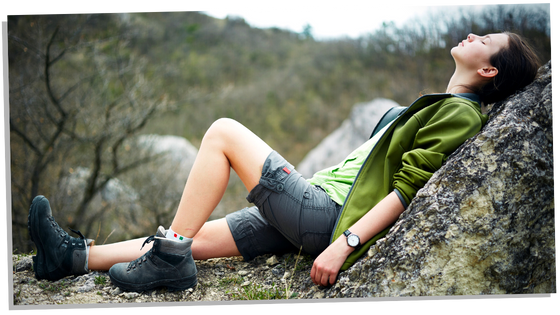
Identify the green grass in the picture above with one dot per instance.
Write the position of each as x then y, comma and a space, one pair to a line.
54, 286
257, 292
23, 254
100, 280
250, 292
230, 280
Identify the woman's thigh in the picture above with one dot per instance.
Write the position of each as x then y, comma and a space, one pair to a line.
244, 150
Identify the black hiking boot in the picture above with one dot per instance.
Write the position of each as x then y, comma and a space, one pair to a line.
168, 263
58, 254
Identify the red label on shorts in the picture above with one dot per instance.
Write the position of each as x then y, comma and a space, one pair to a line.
285, 169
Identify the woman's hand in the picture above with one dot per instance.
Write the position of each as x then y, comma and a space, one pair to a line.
327, 265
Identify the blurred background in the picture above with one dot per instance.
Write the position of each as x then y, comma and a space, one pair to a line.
107, 110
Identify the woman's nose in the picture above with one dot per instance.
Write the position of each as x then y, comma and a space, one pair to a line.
471, 37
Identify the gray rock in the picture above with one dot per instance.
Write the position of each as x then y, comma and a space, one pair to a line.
484, 223
175, 150
353, 132
116, 291
272, 261
88, 286
243, 273
131, 295
26, 263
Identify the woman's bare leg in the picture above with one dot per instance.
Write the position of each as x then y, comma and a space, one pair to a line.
213, 240
226, 144
102, 257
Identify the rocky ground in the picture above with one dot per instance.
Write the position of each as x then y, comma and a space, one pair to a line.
226, 279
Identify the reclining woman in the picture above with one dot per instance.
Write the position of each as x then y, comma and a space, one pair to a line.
336, 215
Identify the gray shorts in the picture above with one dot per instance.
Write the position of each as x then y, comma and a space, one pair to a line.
288, 213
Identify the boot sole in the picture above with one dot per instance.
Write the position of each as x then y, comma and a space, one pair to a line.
39, 259
171, 285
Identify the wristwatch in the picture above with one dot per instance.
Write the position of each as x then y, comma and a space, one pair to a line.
353, 240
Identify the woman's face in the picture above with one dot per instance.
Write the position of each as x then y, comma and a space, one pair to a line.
474, 52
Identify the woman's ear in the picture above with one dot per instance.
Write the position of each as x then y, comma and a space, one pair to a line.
488, 72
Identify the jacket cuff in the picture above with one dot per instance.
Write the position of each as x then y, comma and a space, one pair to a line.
403, 201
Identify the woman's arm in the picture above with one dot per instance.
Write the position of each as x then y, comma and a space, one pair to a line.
328, 263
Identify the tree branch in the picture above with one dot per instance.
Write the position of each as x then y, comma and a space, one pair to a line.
25, 139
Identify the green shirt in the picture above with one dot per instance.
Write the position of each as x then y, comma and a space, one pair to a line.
337, 180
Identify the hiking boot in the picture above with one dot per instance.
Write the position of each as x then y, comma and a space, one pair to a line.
169, 263
58, 254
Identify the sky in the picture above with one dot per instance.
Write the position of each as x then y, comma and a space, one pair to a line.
335, 21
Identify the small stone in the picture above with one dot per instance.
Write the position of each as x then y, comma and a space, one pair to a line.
131, 295
26, 263
88, 286
372, 251
116, 291
277, 271
58, 297
272, 260
243, 273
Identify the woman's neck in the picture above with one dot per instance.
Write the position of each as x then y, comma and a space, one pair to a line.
461, 82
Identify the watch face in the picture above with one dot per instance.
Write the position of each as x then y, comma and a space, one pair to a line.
353, 240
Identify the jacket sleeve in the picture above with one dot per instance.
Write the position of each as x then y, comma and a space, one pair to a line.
436, 139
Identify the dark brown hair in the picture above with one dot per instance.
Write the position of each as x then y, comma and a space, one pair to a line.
517, 66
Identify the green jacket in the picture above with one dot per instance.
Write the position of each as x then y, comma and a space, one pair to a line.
414, 146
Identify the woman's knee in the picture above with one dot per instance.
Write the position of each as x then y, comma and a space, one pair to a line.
222, 129
226, 124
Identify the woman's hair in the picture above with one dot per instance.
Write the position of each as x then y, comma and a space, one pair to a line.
517, 66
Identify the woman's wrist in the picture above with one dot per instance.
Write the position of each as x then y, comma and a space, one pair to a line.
343, 246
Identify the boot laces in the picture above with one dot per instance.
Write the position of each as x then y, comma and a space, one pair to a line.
138, 262
56, 227
60, 231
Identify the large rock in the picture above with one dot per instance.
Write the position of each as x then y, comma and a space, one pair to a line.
353, 132
174, 149
171, 168
484, 223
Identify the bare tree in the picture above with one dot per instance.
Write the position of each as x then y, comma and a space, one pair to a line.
75, 100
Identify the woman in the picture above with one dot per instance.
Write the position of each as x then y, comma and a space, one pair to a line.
331, 216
